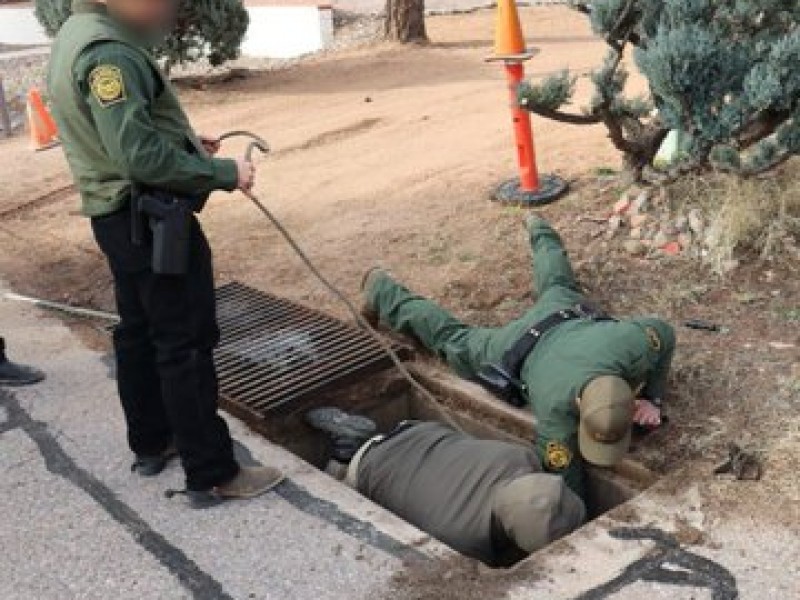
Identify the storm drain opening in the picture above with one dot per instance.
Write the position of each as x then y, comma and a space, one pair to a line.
278, 359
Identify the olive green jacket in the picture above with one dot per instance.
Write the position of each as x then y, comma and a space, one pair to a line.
119, 118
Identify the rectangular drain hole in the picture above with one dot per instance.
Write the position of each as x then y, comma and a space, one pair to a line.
275, 354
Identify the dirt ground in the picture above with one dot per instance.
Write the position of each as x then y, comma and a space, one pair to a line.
388, 155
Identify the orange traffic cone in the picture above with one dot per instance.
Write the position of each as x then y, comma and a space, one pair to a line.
508, 31
43, 130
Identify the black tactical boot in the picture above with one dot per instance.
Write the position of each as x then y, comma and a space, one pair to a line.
12, 374
150, 465
347, 432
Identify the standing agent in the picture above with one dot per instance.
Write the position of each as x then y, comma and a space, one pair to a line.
142, 172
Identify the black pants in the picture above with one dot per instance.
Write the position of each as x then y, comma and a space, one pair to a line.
164, 350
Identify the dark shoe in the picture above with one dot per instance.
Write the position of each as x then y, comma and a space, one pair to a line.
250, 482
151, 465
12, 374
347, 432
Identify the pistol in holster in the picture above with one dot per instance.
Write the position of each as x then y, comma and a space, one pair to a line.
497, 380
169, 218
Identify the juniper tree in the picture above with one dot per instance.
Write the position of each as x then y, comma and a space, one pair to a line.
210, 29
724, 72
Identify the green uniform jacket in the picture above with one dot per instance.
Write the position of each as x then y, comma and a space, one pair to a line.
119, 118
565, 360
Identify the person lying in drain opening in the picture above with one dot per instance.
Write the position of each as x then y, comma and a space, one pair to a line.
587, 377
487, 499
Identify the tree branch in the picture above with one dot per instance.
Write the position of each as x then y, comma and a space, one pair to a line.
570, 118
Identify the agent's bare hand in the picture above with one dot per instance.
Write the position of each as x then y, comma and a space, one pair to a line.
646, 413
247, 175
210, 144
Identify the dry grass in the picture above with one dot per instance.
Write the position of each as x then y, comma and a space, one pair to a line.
754, 216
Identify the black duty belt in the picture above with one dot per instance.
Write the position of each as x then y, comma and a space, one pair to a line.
503, 379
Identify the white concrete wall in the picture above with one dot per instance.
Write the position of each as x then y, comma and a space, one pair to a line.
275, 31
287, 31
19, 26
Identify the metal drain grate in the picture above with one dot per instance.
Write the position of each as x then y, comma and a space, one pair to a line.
274, 353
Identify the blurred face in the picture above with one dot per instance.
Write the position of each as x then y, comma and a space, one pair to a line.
151, 17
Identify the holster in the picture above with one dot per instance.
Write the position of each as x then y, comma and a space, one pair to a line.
503, 384
169, 219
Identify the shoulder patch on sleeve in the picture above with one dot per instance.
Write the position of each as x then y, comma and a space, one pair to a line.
653, 339
107, 85
557, 456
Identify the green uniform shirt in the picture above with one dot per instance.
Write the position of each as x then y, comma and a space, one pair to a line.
119, 118
564, 361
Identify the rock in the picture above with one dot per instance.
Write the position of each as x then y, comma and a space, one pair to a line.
696, 222
685, 240
681, 224
712, 237
642, 202
638, 220
660, 239
622, 206
782, 346
670, 230
614, 225
729, 265
636, 233
634, 247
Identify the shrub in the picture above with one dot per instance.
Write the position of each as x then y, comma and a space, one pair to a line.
724, 72
205, 29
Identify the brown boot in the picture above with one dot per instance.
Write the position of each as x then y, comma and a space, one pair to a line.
249, 483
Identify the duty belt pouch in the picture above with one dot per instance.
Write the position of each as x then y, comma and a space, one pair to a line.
169, 218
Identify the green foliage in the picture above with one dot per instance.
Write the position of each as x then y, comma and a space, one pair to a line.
52, 14
550, 94
205, 29
211, 29
725, 72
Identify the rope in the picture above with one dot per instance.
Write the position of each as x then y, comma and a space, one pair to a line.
259, 143
360, 320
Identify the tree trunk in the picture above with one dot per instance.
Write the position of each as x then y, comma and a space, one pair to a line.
405, 21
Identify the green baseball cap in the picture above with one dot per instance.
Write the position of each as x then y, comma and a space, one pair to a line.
606, 407
537, 509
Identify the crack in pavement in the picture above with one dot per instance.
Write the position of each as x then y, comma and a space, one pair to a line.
201, 585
